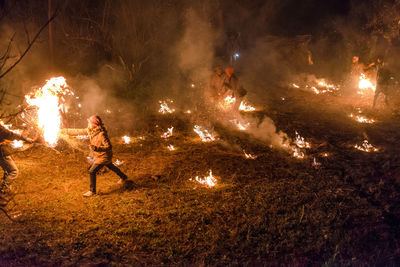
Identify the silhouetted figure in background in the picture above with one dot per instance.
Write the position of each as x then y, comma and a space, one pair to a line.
384, 81
233, 86
216, 88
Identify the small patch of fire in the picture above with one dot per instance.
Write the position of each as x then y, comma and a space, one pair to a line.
171, 148
365, 85
227, 103
82, 137
300, 142
249, 156
326, 87
164, 108
204, 134
168, 133
295, 85
188, 111
119, 162
241, 126
297, 153
126, 139
361, 119
245, 107
366, 147
315, 163
209, 180
17, 144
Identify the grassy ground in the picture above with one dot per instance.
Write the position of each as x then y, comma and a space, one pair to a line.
272, 210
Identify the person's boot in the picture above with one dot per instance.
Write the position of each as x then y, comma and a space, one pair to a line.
5, 194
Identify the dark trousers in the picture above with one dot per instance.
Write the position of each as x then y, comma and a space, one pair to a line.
97, 167
9, 168
381, 89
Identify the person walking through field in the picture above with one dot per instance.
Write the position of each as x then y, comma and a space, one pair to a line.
101, 149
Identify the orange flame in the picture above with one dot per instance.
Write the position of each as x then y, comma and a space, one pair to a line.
205, 135
208, 180
366, 147
49, 102
126, 139
365, 85
246, 107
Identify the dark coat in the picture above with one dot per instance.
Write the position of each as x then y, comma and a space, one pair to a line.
232, 83
216, 85
100, 143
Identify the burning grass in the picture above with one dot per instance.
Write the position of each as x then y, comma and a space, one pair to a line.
272, 209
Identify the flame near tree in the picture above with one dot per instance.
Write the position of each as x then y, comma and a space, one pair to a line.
49, 101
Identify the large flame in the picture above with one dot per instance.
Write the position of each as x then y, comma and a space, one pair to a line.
49, 101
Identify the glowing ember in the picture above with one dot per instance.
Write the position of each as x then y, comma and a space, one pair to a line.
366, 147
164, 108
168, 133
171, 148
297, 153
361, 119
326, 86
208, 180
188, 111
365, 85
295, 85
205, 135
126, 139
119, 162
239, 125
17, 143
249, 156
193, 85
8, 127
315, 164
300, 142
108, 111
48, 100
227, 103
246, 107
90, 159
82, 137
316, 91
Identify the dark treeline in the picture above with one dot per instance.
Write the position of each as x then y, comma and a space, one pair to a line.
155, 46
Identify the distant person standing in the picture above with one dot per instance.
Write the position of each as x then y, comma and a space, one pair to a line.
216, 87
356, 69
233, 86
101, 148
384, 81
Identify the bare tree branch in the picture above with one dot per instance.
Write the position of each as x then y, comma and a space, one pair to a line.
30, 44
